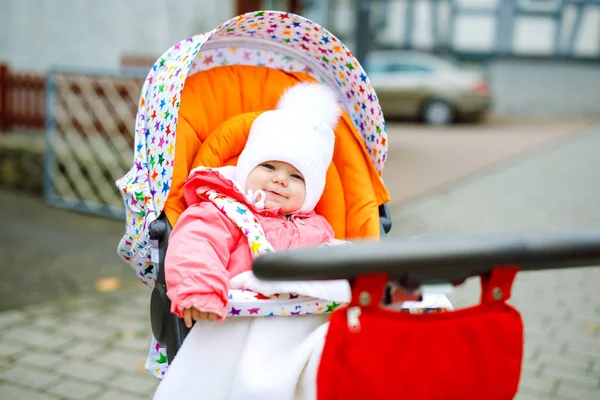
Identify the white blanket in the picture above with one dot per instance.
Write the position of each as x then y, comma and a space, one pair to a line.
266, 358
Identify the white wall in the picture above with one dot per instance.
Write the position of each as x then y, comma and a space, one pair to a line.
522, 87
35, 34
477, 33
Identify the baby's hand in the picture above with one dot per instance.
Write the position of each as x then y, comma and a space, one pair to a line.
191, 314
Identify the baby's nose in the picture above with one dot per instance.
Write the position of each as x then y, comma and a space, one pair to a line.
280, 178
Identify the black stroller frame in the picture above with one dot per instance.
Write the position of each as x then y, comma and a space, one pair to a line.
411, 261
168, 329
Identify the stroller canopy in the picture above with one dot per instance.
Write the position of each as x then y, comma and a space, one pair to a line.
277, 40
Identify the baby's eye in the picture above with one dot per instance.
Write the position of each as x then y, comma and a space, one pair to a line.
268, 166
296, 176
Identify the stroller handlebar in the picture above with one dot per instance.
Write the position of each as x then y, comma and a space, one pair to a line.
429, 259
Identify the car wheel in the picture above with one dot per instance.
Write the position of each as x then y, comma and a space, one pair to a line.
437, 112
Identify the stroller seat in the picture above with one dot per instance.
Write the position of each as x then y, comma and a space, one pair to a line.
196, 108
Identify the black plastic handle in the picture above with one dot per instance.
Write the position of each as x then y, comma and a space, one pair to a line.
434, 259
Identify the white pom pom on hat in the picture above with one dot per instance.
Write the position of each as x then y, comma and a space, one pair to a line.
300, 132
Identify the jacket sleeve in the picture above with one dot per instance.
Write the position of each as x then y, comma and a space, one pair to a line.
324, 226
199, 249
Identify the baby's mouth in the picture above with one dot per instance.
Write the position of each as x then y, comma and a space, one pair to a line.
272, 193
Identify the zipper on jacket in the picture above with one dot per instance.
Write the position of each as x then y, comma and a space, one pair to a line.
293, 218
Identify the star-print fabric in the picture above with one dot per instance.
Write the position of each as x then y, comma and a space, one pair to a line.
248, 303
269, 38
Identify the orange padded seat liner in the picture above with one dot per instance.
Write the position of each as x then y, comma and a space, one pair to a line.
217, 109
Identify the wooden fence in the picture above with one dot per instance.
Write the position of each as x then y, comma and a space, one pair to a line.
22, 100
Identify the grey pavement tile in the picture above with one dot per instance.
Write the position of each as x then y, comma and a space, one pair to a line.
87, 314
9, 318
525, 395
121, 359
577, 392
115, 395
29, 376
575, 376
122, 323
537, 385
138, 383
584, 344
10, 347
45, 321
49, 309
82, 349
563, 361
88, 332
75, 390
36, 337
137, 343
84, 302
13, 392
6, 362
87, 370
40, 358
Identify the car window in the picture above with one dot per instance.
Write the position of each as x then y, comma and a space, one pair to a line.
375, 68
408, 68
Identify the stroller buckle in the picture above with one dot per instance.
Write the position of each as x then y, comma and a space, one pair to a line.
497, 293
364, 299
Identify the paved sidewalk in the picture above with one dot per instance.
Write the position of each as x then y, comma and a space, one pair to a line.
82, 347
93, 345
556, 188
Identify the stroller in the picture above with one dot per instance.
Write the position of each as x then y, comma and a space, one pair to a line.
239, 70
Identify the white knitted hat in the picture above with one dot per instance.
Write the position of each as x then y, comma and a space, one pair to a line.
300, 132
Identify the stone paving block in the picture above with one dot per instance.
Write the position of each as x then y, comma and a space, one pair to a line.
575, 392
120, 323
85, 302
584, 344
572, 375
6, 362
88, 332
44, 321
75, 390
82, 349
126, 311
539, 385
139, 344
40, 358
9, 318
37, 338
12, 392
29, 376
136, 383
564, 361
121, 359
86, 370
42, 309
84, 315
114, 395
525, 395
9, 347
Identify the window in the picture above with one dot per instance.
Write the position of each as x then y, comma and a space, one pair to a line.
539, 5
408, 68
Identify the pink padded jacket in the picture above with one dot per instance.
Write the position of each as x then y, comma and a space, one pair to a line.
206, 249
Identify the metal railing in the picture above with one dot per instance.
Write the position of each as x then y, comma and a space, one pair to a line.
90, 137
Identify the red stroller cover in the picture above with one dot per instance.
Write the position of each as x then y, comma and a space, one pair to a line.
374, 353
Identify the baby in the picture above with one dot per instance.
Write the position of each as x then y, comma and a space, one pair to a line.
279, 177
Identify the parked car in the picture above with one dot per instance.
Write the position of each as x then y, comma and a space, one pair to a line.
411, 84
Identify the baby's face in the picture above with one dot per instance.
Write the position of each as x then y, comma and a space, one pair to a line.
282, 183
